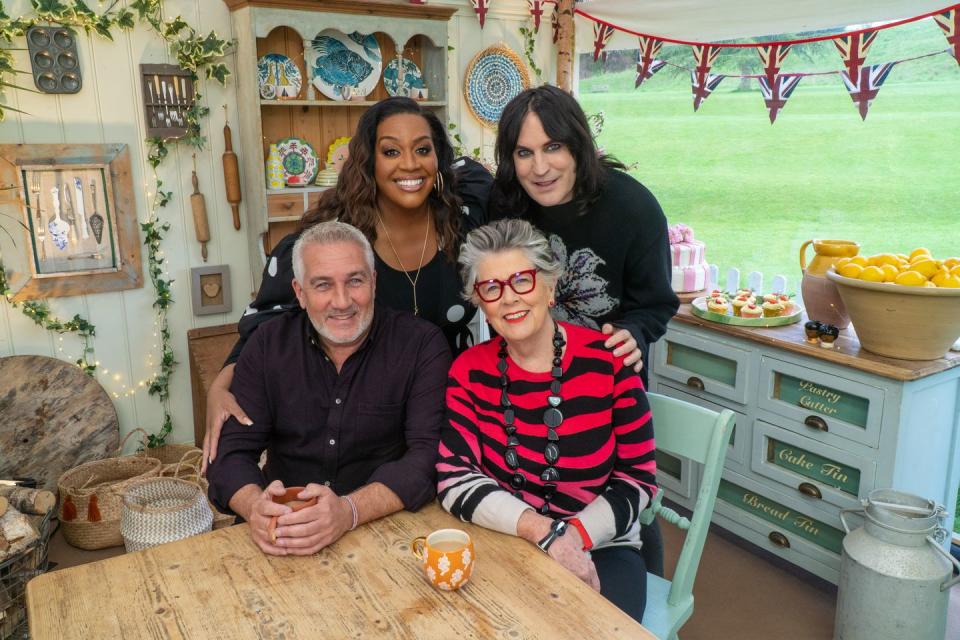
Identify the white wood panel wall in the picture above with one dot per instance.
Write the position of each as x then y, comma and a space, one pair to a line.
108, 109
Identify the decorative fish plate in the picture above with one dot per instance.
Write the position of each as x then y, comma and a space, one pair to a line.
344, 66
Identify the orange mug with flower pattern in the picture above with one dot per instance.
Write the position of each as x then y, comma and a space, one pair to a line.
447, 556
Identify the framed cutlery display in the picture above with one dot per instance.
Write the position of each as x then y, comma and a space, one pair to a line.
168, 94
78, 217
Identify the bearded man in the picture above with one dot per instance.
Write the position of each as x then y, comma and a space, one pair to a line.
346, 398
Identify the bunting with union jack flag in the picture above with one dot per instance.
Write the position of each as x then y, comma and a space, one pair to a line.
949, 22
481, 7
775, 94
647, 65
536, 10
853, 49
703, 81
601, 35
865, 86
772, 56
704, 86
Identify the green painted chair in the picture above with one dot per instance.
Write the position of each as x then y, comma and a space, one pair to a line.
684, 429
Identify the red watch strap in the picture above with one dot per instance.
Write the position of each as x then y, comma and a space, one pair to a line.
587, 542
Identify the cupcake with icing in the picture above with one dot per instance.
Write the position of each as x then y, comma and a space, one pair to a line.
751, 310
772, 309
740, 301
717, 304
771, 297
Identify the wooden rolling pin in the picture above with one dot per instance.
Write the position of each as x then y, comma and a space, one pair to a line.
3, 505
199, 207
231, 172
33, 501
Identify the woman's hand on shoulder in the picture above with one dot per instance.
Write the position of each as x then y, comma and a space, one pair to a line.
221, 404
624, 345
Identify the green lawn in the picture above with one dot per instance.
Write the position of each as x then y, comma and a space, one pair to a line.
754, 192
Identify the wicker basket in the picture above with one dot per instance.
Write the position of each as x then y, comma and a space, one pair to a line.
186, 470
91, 499
160, 510
15, 572
168, 454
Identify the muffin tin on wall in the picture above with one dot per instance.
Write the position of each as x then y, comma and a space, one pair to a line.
54, 60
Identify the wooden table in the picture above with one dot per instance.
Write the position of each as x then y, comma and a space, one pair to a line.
367, 585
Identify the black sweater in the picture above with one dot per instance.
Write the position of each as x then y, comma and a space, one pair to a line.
617, 260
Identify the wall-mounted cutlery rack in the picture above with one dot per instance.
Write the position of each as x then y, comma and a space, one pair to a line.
168, 94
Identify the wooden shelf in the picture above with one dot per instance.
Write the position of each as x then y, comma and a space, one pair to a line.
339, 103
288, 190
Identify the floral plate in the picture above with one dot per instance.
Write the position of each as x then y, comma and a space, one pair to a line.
298, 159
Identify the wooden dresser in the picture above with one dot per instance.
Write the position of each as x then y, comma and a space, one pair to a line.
816, 430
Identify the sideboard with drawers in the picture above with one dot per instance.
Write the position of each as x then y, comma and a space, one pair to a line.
816, 430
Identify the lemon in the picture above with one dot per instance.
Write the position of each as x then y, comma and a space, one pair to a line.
919, 251
841, 262
927, 268
955, 271
859, 260
903, 257
939, 276
850, 270
890, 272
929, 284
872, 274
884, 258
911, 279
950, 263
950, 282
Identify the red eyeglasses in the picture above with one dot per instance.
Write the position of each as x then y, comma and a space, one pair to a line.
521, 282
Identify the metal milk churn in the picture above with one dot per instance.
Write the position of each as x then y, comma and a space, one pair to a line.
894, 575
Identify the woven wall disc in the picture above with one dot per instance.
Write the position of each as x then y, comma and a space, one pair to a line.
494, 77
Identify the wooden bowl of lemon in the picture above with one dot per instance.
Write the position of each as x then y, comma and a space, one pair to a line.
902, 307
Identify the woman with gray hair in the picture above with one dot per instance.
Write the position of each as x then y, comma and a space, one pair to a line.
549, 435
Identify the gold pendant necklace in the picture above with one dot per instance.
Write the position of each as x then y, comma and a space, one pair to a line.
423, 251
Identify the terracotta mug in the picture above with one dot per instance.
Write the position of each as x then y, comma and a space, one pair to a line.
447, 556
290, 499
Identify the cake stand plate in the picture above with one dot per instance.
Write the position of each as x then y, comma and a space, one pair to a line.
699, 308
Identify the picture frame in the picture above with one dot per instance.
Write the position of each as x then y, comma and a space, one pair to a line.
210, 289
77, 220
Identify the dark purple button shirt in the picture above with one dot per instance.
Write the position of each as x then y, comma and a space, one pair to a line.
378, 420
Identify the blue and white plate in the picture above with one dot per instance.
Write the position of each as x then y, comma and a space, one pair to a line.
399, 84
493, 78
278, 77
344, 66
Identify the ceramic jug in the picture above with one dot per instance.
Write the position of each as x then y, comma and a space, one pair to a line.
820, 296
274, 169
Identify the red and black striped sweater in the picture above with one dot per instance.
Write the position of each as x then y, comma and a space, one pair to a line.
607, 467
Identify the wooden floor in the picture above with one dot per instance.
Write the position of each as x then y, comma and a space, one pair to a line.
738, 594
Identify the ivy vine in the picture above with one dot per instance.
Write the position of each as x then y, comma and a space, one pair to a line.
529, 45
194, 52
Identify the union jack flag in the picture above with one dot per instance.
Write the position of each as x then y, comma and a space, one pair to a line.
865, 86
601, 35
854, 50
536, 10
703, 81
649, 48
772, 56
481, 6
702, 88
949, 21
775, 95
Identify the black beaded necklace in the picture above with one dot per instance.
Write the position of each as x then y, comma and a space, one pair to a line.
552, 418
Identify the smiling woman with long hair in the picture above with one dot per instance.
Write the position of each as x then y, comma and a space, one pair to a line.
401, 188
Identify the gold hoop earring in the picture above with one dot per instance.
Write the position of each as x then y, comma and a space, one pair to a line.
438, 183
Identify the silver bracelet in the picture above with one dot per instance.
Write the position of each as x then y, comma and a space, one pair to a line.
353, 509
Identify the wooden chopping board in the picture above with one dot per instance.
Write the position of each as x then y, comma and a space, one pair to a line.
53, 417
